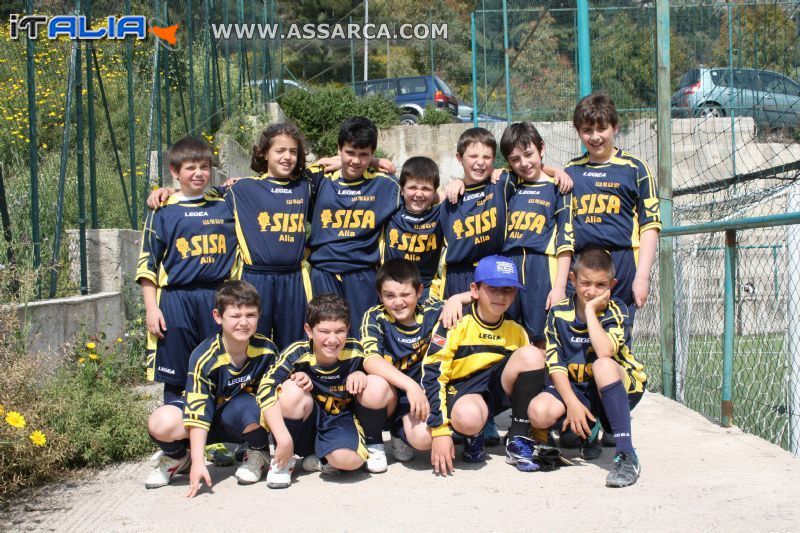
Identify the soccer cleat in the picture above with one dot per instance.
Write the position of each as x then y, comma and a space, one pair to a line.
253, 466
519, 452
591, 448
626, 470
474, 451
165, 469
376, 462
490, 435
401, 451
608, 440
219, 455
569, 439
311, 463
280, 478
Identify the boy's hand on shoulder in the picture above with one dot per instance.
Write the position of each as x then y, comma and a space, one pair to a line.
577, 419
302, 380
356, 382
640, 289
385, 166
453, 190
443, 452
158, 196
598, 303
230, 182
198, 473
562, 180
452, 312
418, 402
155, 322
330, 164
496, 173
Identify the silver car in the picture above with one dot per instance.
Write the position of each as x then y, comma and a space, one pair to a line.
772, 99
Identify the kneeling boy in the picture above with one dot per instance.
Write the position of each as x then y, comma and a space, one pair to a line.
218, 404
591, 367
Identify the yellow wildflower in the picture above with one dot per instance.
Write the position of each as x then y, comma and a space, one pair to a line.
15, 419
81, 360
119, 340
93, 356
38, 438
91, 346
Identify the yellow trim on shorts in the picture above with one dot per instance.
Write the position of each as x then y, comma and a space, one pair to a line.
305, 270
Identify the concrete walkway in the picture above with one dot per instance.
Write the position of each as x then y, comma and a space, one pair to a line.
695, 476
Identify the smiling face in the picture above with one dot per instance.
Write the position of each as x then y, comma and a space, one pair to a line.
418, 195
492, 302
590, 283
327, 339
193, 176
282, 157
400, 301
477, 163
238, 322
598, 140
355, 161
526, 162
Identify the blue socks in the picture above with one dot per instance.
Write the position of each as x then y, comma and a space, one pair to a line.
618, 411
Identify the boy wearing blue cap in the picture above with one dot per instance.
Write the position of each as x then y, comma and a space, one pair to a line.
480, 367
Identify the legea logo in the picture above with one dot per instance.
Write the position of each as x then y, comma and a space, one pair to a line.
76, 27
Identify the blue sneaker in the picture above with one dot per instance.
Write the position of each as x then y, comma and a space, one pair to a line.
490, 435
519, 452
473, 451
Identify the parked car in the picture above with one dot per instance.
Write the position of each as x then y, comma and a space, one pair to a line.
287, 85
411, 95
772, 99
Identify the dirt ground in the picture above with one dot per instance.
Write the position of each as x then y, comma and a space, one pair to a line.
695, 476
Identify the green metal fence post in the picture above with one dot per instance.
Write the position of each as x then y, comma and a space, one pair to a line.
736, 97
506, 66
79, 134
584, 50
131, 124
666, 254
192, 122
33, 153
474, 71
90, 118
157, 93
167, 88
728, 328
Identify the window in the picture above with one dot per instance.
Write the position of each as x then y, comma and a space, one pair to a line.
413, 86
384, 87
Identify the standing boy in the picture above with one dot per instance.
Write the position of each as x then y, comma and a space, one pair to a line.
592, 370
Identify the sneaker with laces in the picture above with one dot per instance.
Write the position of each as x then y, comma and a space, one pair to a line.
626, 470
401, 451
591, 448
608, 440
490, 435
165, 469
376, 462
252, 467
474, 451
311, 463
280, 478
519, 452
219, 455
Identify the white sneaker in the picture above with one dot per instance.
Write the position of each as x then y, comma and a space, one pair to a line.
401, 451
311, 463
280, 478
252, 467
165, 469
376, 463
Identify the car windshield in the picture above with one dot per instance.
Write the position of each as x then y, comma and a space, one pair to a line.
442, 86
690, 78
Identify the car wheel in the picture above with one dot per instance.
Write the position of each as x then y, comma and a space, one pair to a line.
710, 111
409, 119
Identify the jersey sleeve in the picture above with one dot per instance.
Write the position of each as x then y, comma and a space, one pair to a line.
508, 180
315, 174
372, 335
436, 375
647, 203
153, 249
199, 409
565, 239
554, 351
280, 371
616, 325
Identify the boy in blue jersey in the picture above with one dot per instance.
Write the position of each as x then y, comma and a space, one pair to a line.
592, 372
188, 250
351, 209
218, 404
349, 406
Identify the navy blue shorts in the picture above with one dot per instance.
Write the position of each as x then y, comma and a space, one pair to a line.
457, 278
486, 383
188, 314
340, 431
589, 396
538, 274
356, 287
231, 418
284, 298
625, 271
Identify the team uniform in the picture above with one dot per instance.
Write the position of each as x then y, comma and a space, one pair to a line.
336, 424
220, 397
347, 224
270, 216
468, 359
539, 228
613, 203
570, 352
403, 346
473, 228
416, 238
188, 250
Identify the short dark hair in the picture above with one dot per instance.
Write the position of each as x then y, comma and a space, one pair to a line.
420, 168
399, 270
596, 108
359, 132
522, 134
237, 293
593, 258
259, 160
189, 149
327, 307
476, 135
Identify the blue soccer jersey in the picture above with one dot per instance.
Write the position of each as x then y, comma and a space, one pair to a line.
539, 219
569, 350
348, 219
417, 238
612, 202
270, 217
214, 380
188, 242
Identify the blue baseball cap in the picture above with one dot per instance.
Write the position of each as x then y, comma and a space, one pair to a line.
497, 271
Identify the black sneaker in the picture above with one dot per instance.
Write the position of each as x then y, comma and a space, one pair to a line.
591, 448
608, 440
474, 451
568, 439
626, 470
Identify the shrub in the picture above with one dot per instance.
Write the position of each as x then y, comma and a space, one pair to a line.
434, 116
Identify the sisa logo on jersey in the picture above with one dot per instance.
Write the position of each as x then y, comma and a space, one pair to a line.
282, 223
202, 245
347, 220
412, 243
476, 226
580, 372
520, 221
596, 204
